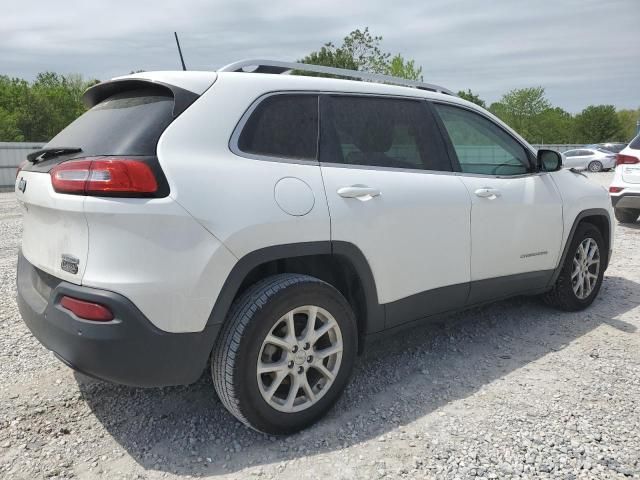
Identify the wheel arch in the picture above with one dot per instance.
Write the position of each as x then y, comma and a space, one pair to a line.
599, 217
341, 264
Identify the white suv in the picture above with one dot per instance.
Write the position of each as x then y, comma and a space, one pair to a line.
268, 225
625, 187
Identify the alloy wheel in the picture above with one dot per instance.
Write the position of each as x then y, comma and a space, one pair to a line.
595, 166
586, 268
299, 359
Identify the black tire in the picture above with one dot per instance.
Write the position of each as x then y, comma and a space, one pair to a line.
561, 294
251, 318
626, 215
595, 166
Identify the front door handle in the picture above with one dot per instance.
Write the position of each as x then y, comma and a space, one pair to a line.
356, 191
487, 192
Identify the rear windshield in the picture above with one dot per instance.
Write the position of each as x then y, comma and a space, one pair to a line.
635, 143
127, 123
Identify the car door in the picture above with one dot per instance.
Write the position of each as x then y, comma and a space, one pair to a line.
392, 193
571, 159
582, 159
516, 213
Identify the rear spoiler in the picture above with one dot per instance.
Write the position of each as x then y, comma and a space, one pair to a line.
101, 91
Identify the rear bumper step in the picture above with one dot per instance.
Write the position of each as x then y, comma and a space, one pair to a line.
626, 200
128, 350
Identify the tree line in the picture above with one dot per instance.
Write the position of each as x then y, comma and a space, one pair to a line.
36, 111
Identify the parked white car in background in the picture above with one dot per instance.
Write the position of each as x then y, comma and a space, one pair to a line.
592, 159
267, 226
625, 187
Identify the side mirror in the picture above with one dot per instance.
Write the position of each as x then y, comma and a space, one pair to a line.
549, 160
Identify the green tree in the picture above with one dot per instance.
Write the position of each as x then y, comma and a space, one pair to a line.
628, 123
9, 131
398, 67
553, 125
38, 111
598, 123
360, 50
521, 108
472, 97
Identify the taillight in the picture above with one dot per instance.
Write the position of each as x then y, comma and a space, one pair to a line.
120, 177
626, 159
615, 189
20, 167
87, 310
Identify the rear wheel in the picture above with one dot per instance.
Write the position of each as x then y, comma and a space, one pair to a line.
582, 272
627, 215
595, 166
285, 353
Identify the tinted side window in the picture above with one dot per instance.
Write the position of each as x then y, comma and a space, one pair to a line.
380, 132
283, 126
482, 146
635, 143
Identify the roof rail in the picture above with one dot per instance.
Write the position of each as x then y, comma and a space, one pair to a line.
277, 67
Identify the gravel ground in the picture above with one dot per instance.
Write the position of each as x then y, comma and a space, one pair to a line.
512, 390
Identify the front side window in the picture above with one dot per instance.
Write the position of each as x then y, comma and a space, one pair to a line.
284, 126
480, 145
380, 132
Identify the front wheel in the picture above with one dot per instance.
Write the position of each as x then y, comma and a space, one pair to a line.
626, 215
285, 354
582, 272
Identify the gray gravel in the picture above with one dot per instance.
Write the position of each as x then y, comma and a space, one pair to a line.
512, 390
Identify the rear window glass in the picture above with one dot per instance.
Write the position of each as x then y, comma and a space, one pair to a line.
283, 126
635, 143
127, 123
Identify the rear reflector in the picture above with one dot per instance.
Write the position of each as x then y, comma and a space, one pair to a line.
626, 159
120, 177
87, 310
615, 189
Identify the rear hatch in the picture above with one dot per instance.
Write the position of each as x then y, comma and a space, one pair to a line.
631, 173
631, 168
123, 125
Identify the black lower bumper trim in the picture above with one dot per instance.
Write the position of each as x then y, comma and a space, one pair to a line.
128, 349
626, 200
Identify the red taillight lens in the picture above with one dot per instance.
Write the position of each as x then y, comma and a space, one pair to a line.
20, 167
626, 159
100, 176
87, 310
71, 177
615, 189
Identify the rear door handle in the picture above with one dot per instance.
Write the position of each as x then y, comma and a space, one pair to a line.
487, 192
356, 191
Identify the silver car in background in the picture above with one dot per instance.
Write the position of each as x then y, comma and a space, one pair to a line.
592, 159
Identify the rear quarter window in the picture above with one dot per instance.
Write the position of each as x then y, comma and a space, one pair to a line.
284, 126
127, 123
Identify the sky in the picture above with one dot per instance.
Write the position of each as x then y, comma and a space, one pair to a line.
582, 51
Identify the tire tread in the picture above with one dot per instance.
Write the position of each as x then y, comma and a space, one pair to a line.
224, 356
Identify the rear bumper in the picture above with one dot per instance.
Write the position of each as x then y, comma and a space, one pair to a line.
128, 349
626, 200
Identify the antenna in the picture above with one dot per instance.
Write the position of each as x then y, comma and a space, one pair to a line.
184, 67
